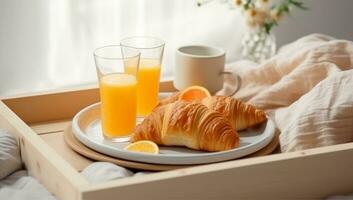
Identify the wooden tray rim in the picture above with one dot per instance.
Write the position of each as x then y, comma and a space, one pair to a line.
38, 156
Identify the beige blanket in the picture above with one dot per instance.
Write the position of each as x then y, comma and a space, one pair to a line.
306, 89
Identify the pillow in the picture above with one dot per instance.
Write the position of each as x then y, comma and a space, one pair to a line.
10, 159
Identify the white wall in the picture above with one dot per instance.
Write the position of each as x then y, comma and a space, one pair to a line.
332, 17
47, 44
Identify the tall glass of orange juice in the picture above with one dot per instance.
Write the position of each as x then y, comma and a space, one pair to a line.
118, 90
148, 72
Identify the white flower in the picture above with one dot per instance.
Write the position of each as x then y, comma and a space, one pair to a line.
263, 3
256, 17
277, 16
238, 3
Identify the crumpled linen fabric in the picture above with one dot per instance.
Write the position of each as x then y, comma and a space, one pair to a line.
306, 89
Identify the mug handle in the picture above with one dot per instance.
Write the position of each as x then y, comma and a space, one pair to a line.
236, 78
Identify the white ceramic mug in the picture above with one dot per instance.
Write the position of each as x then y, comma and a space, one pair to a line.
202, 66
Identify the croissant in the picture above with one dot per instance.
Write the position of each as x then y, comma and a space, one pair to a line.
170, 99
240, 114
189, 124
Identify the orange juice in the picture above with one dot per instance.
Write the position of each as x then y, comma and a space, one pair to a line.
118, 96
147, 86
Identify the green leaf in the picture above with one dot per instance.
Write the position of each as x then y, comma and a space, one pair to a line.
247, 4
298, 4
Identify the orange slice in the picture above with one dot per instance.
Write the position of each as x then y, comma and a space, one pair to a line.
194, 93
144, 146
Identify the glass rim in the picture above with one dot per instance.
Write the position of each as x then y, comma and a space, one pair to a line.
120, 58
161, 42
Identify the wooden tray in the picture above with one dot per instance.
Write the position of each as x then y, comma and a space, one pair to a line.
39, 121
94, 155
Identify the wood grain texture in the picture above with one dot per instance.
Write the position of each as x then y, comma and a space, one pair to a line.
50, 127
56, 141
59, 105
52, 106
42, 162
309, 174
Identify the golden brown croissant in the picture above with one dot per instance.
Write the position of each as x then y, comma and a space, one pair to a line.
240, 114
170, 99
189, 124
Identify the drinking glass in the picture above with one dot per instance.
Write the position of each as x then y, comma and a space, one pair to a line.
118, 90
149, 71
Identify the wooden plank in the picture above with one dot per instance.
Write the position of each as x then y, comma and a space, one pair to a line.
52, 134
58, 105
42, 162
167, 86
309, 174
50, 127
52, 106
56, 141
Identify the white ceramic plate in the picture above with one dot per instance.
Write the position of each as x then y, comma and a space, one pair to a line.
86, 126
